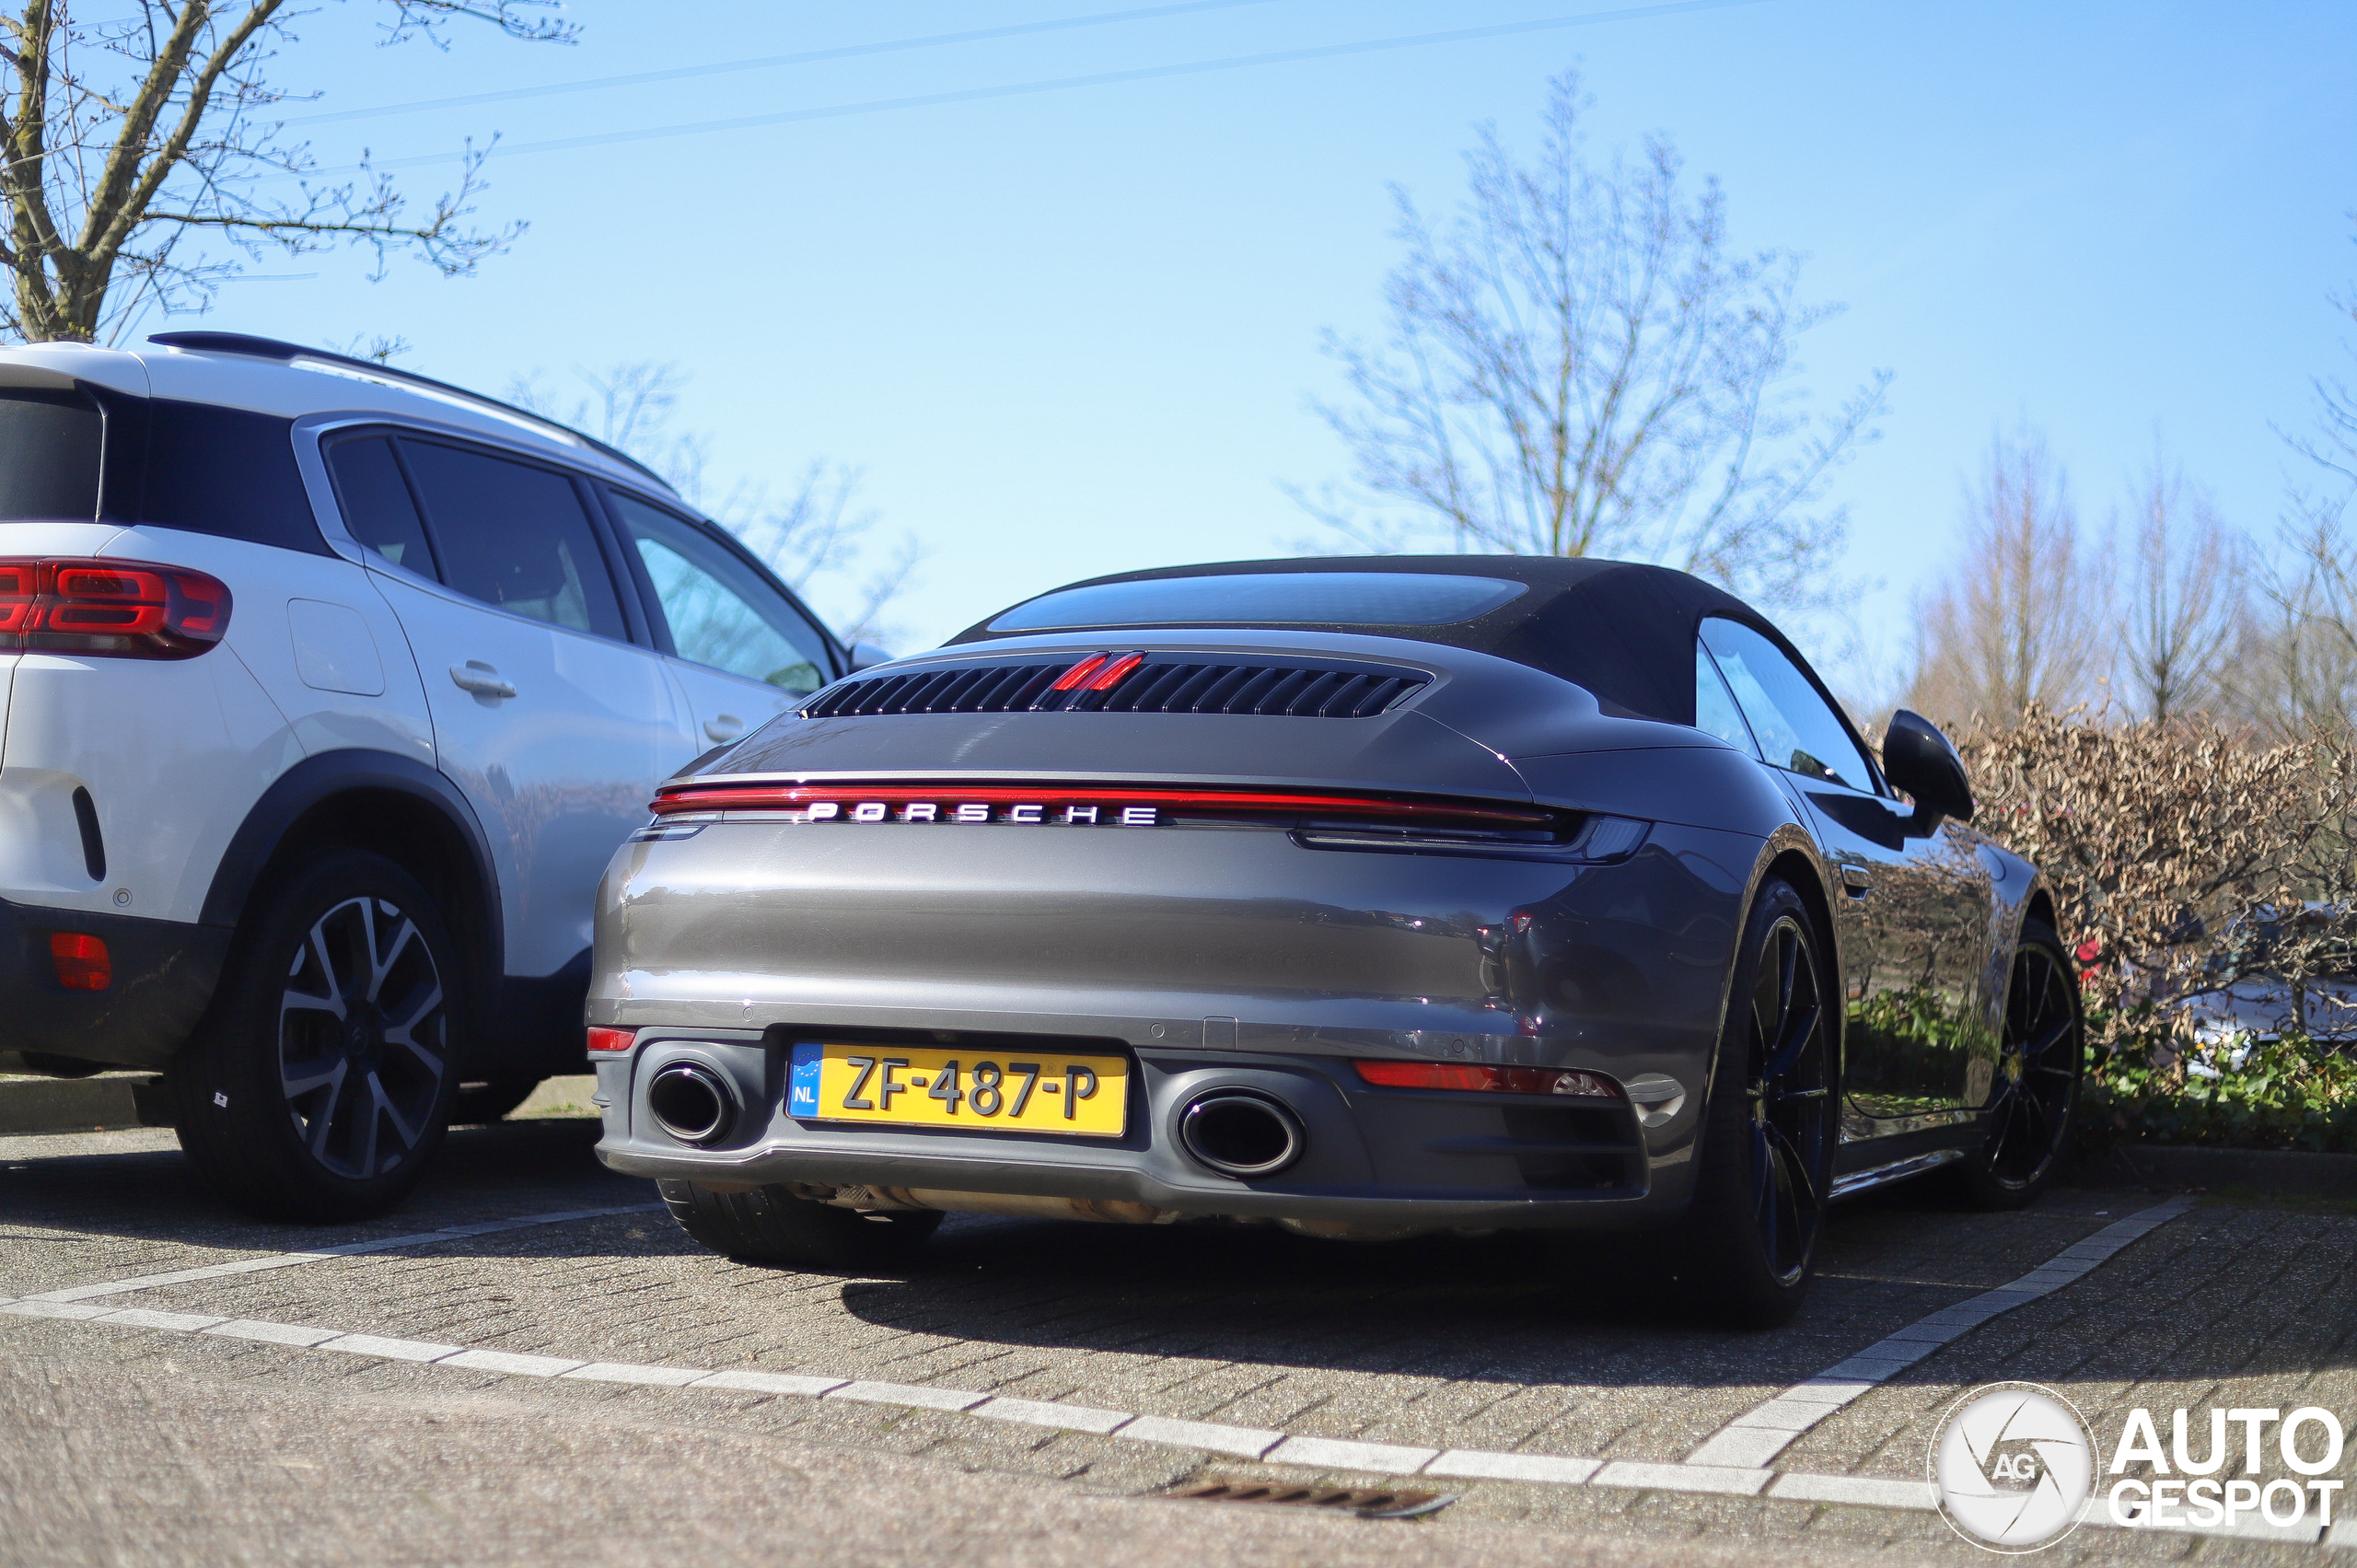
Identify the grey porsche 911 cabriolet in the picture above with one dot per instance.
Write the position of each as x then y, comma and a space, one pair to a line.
1362, 896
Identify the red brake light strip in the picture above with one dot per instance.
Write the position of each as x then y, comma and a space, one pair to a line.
787, 797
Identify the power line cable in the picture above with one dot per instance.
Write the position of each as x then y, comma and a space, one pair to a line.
1057, 83
593, 84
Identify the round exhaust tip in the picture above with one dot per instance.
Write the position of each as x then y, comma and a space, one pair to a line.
1238, 1134
693, 1103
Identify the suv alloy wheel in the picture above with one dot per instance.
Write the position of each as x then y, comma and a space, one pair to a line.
321, 1083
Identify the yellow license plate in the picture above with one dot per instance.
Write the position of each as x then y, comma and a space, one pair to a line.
1023, 1091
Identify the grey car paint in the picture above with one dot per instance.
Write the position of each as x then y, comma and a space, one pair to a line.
1229, 955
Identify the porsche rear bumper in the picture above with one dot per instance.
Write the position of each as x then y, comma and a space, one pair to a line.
1220, 958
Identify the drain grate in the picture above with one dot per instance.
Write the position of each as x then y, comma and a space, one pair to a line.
1364, 1502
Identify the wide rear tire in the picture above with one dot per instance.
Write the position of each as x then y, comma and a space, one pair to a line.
1746, 1250
770, 1225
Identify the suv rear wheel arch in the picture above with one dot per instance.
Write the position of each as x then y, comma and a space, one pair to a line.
383, 802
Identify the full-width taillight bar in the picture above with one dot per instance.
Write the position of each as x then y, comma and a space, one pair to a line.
112, 609
675, 798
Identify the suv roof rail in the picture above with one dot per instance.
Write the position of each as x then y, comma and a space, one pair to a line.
272, 348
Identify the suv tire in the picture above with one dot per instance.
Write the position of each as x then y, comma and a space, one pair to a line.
770, 1225
320, 1085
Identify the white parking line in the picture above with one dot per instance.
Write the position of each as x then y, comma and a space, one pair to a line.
1825, 1393
319, 1254
1757, 1437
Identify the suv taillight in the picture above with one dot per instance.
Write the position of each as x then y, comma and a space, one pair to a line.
113, 608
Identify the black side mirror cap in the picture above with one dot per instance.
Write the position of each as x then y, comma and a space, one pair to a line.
1918, 759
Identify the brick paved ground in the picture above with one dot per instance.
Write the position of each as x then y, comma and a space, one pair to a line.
1436, 1343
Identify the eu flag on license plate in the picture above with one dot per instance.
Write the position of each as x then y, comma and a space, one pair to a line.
802, 1090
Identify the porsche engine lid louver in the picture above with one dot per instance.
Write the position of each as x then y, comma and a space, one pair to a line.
1117, 682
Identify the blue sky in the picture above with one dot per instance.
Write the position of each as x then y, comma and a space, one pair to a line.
1074, 332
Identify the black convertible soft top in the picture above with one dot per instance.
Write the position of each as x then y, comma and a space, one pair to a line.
1622, 630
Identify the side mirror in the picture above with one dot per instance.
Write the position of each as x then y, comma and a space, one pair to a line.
867, 655
1918, 759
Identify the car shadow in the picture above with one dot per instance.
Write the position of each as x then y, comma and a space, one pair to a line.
90, 1185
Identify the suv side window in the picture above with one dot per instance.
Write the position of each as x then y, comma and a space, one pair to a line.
1797, 728
378, 510
515, 535
721, 613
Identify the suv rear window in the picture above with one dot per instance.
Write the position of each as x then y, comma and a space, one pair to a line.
49, 448
1266, 599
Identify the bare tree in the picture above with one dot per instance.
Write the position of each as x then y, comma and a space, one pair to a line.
1579, 364
128, 141
816, 537
2022, 620
2296, 669
2299, 671
2184, 610
2331, 445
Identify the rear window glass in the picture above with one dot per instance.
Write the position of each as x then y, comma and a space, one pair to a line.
50, 444
1271, 599
227, 471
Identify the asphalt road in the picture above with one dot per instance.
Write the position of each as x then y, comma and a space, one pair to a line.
488, 1390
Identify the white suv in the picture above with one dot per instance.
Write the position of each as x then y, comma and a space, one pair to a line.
329, 690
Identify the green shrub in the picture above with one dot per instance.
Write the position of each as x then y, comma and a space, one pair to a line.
2290, 1093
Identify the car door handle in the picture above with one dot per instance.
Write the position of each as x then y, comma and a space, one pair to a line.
724, 727
481, 679
1858, 880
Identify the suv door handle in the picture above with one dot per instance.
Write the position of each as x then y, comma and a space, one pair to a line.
724, 727
481, 679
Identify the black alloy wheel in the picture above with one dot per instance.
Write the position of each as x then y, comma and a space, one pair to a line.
1744, 1252
2034, 1092
1789, 1103
320, 1082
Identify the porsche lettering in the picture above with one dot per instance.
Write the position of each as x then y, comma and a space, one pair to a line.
1027, 813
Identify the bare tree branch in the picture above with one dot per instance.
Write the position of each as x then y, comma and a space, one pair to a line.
2185, 606
136, 131
1577, 364
2022, 622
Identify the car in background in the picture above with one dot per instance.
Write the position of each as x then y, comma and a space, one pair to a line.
326, 692
2253, 997
1360, 897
